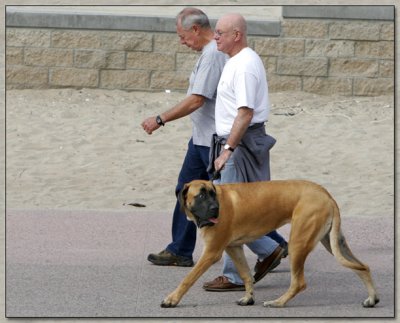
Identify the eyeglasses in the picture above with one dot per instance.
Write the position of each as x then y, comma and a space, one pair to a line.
219, 33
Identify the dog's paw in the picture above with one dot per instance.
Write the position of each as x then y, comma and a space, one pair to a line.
168, 302
272, 304
369, 302
245, 301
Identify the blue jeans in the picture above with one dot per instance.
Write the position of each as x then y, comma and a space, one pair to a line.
262, 247
184, 231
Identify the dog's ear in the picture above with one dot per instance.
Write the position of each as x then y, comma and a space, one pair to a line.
182, 197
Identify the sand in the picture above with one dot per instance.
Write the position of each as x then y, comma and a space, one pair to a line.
85, 149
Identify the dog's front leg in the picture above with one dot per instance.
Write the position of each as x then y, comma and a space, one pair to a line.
239, 259
206, 260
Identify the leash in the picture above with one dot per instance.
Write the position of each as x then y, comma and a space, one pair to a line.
216, 175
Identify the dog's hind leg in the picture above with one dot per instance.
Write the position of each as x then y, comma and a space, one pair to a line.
347, 259
297, 280
361, 270
304, 230
239, 259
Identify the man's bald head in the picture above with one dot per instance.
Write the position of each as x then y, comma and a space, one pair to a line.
235, 21
231, 33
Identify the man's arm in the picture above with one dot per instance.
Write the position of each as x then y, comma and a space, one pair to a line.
239, 127
185, 107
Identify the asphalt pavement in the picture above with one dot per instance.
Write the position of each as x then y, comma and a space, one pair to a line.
84, 264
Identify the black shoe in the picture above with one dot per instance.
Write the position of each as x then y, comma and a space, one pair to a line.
166, 258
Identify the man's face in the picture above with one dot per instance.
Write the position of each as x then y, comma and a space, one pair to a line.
224, 36
189, 37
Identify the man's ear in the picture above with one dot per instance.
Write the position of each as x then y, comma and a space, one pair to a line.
182, 197
196, 29
238, 35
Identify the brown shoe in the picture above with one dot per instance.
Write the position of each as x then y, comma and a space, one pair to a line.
264, 267
222, 284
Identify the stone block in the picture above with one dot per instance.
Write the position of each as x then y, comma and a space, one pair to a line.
76, 39
329, 48
343, 67
373, 87
387, 31
14, 55
186, 62
162, 80
357, 30
125, 80
279, 83
99, 59
115, 60
27, 37
299, 28
74, 77
48, 57
279, 47
328, 86
386, 69
150, 61
380, 50
127, 41
27, 76
269, 64
90, 59
300, 66
169, 43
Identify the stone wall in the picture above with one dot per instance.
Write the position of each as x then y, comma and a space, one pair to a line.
317, 52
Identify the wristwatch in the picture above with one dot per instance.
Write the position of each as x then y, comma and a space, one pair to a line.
227, 147
159, 121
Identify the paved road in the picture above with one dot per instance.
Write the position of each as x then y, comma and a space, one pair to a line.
93, 264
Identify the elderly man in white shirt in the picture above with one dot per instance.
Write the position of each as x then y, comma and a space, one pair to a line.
242, 108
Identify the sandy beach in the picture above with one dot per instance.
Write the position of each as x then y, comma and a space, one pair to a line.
85, 149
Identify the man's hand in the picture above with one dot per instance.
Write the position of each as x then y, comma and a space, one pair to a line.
220, 162
150, 124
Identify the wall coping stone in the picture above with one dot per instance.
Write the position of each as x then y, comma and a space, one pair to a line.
340, 12
87, 20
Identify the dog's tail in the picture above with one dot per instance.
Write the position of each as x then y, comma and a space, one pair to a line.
335, 242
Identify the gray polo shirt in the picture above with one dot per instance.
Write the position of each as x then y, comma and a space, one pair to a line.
204, 81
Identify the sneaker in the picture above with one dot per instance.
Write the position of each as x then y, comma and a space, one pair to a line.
222, 284
166, 258
264, 267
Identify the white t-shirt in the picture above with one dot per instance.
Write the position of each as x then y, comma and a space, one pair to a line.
243, 83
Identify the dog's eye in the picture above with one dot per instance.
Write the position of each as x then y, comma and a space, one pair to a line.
202, 195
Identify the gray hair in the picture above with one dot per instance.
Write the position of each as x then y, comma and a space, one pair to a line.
193, 16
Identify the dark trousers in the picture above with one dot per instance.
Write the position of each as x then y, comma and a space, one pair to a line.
184, 231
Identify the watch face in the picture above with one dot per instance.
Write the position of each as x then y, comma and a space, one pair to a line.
227, 147
159, 121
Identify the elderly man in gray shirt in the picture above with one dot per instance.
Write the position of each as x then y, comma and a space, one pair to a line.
194, 30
